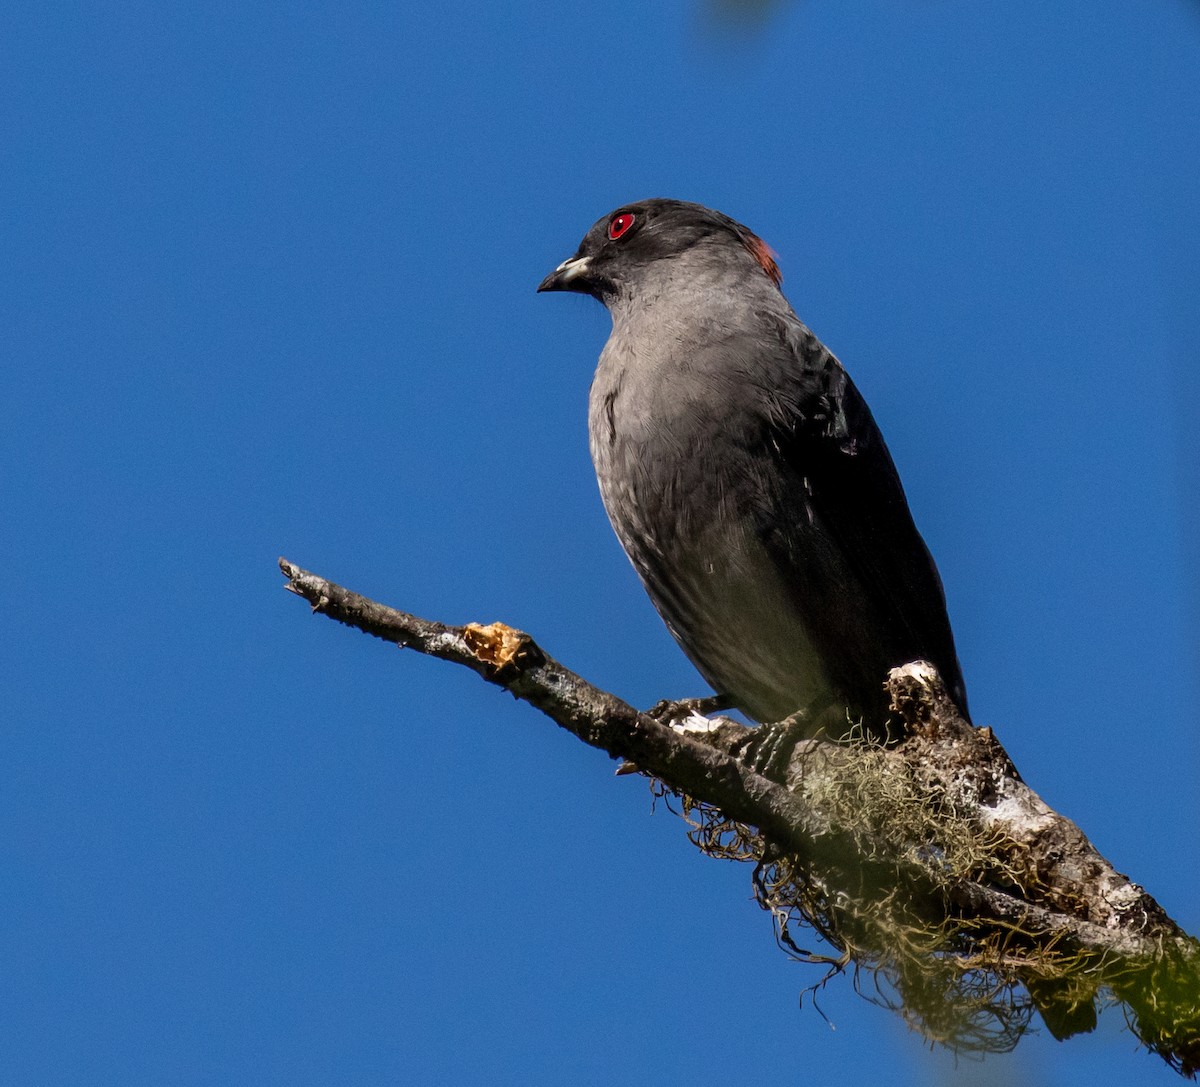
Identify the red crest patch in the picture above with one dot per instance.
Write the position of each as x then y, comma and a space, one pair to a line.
765, 256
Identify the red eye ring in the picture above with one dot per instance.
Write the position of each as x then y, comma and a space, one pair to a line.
620, 225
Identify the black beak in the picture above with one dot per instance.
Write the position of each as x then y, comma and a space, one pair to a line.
567, 276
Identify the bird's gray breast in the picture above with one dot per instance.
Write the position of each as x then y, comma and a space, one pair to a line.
682, 488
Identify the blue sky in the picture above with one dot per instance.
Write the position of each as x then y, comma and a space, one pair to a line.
269, 289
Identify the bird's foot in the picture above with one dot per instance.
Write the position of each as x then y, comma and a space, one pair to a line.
686, 715
769, 749
684, 710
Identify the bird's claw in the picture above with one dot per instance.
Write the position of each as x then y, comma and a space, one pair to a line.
670, 710
769, 751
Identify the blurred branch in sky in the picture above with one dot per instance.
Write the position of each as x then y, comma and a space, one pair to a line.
742, 16
753, 15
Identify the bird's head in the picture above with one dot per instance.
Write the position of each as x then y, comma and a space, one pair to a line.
629, 245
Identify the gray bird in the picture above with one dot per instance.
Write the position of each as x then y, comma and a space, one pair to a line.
745, 477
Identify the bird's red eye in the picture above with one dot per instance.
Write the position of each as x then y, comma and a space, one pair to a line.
620, 225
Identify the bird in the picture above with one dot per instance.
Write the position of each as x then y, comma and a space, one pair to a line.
747, 480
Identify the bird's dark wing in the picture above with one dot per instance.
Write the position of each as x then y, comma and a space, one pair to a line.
847, 538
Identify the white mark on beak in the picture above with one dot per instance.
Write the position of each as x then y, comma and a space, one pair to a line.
572, 267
